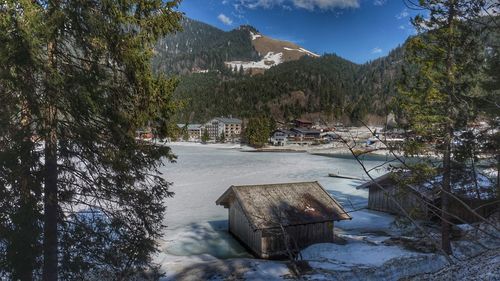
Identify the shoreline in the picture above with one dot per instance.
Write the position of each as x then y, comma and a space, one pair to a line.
332, 151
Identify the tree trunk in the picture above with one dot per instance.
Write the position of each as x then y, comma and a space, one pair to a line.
25, 241
50, 200
446, 188
446, 185
498, 179
50, 251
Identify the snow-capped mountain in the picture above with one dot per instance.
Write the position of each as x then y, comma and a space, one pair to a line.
271, 52
200, 47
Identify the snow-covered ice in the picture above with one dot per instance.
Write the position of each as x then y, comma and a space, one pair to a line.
196, 242
203, 172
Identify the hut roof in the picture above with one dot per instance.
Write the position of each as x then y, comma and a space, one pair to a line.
306, 131
286, 204
304, 121
463, 185
388, 180
284, 131
382, 180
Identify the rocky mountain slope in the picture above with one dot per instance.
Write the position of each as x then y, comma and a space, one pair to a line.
200, 48
271, 51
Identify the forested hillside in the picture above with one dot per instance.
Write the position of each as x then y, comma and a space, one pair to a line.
200, 47
327, 88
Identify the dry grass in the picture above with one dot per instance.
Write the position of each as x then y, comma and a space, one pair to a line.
264, 45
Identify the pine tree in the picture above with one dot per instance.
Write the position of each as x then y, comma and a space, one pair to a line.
437, 90
257, 131
205, 137
490, 106
75, 84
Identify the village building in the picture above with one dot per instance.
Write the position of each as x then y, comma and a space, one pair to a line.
302, 123
387, 194
304, 136
273, 219
329, 136
305, 133
280, 137
193, 131
144, 133
228, 126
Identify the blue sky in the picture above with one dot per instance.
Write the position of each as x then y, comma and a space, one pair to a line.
358, 30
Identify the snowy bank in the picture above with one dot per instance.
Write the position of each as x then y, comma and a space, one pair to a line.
361, 261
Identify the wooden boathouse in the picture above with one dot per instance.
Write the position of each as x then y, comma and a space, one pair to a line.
423, 201
273, 219
414, 201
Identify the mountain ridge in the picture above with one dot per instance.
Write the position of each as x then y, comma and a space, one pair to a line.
327, 88
272, 52
304, 85
200, 47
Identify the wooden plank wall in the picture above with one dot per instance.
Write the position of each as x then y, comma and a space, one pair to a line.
270, 243
240, 227
412, 203
483, 208
300, 235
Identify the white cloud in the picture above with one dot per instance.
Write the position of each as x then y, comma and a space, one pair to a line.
326, 4
376, 50
310, 5
404, 13
402, 27
253, 4
225, 19
379, 2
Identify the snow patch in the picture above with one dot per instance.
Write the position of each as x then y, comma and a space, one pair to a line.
270, 59
255, 35
308, 52
343, 257
201, 71
467, 186
302, 50
268, 270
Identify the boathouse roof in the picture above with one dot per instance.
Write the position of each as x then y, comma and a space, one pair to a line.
286, 204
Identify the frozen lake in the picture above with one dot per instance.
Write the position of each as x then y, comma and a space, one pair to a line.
198, 228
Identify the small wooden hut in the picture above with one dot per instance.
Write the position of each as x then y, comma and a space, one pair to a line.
413, 200
273, 219
424, 201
